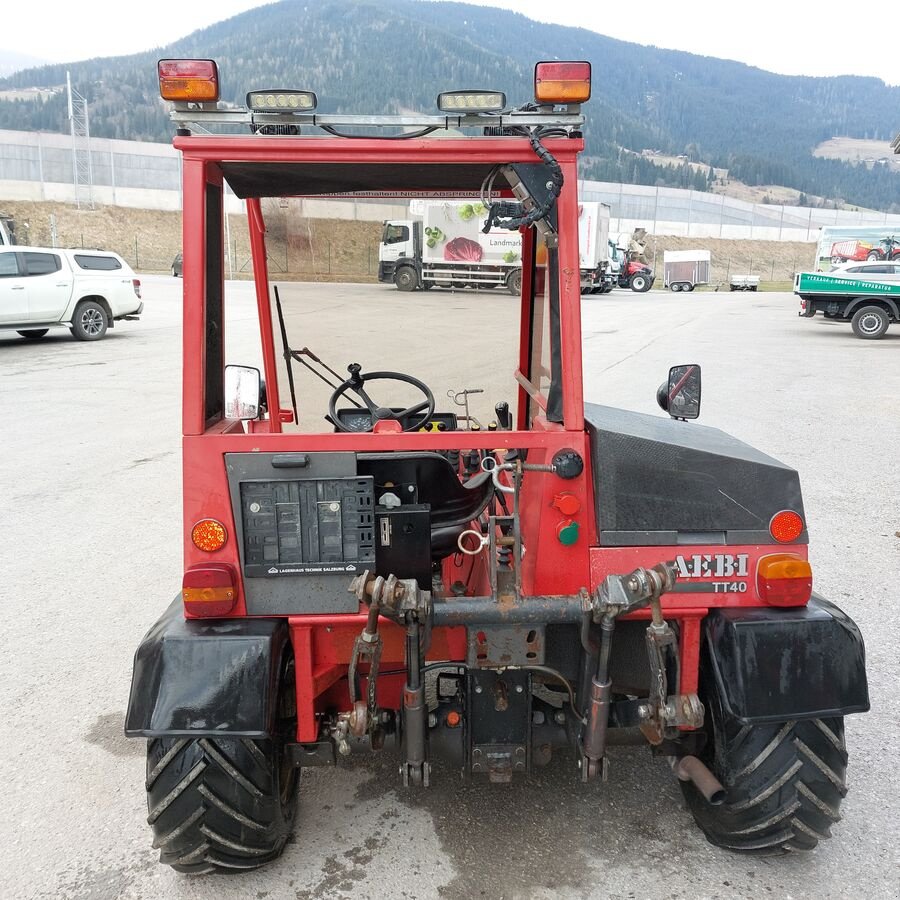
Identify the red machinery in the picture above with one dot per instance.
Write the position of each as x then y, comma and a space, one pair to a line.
489, 596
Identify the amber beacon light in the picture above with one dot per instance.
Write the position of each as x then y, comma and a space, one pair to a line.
562, 82
188, 80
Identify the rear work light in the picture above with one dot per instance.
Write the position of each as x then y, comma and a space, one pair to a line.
188, 80
562, 82
208, 590
209, 535
471, 101
786, 526
281, 101
783, 579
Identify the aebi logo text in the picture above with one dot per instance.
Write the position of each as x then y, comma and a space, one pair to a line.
713, 565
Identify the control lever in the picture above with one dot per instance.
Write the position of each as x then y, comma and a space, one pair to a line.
504, 419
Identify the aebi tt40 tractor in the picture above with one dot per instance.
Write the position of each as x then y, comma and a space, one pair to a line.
371, 571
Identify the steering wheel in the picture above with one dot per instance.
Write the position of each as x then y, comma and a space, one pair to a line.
356, 383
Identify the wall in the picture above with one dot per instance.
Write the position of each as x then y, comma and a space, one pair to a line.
39, 166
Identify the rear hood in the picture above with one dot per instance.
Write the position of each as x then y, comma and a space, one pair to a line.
661, 482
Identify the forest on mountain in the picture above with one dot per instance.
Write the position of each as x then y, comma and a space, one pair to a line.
389, 56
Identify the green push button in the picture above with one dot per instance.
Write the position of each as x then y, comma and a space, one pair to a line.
567, 533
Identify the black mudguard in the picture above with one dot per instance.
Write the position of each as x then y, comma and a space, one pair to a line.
205, 678
774, 665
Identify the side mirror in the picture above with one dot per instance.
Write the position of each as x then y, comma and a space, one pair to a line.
680, 395
243, 392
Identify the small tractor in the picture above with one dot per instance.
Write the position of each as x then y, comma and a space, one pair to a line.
396, 579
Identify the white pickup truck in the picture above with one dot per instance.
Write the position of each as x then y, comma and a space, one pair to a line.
84, 290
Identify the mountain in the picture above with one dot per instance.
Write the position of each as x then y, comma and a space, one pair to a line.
11, 61
383, 56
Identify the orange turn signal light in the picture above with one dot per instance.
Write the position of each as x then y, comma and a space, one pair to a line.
783, 579
191, 80
209, 535
562, 82
786, 526
208, 589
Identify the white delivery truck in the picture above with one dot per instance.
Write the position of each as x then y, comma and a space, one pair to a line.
442, 245
685, 269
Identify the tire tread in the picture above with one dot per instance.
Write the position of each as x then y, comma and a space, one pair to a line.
784, 785
215, 804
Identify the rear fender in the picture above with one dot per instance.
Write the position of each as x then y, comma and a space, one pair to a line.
774, 665
872, 301
207, 678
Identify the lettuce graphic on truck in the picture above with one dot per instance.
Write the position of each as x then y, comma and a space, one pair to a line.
452, 233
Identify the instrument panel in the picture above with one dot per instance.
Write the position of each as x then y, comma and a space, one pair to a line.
360, 420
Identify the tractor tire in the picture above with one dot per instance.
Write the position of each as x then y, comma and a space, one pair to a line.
640, 283
33, 334
873, 255
514, 282
89, 322
783, 782
219, 804
870, 322
405, 278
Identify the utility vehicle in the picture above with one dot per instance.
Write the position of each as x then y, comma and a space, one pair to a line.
477, 600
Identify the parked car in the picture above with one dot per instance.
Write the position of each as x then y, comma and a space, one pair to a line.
177, 265
875, 269
84, 290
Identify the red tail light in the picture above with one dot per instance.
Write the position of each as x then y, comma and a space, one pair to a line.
209, 590
136, 284
783, 579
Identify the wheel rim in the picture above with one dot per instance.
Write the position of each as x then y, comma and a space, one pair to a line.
92, 322
639, 283
870, 323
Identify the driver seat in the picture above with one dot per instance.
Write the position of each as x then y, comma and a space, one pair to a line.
454, 504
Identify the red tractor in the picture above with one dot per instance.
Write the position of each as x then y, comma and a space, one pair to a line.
396, 578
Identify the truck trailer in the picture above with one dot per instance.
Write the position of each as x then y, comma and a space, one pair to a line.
685, 269
442, 244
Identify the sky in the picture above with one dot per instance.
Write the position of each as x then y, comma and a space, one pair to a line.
827, 37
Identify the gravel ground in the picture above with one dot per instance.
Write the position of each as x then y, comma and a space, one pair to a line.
91, 480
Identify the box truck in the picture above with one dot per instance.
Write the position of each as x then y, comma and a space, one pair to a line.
442, 245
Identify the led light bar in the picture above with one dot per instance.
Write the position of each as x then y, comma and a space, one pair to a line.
281, 101
189, 80
471, 101
562, 82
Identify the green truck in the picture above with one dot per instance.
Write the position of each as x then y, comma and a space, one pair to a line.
870, 301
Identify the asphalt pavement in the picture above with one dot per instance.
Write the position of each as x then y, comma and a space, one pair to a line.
91, 531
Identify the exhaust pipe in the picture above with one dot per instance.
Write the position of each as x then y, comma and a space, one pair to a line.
689, 768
